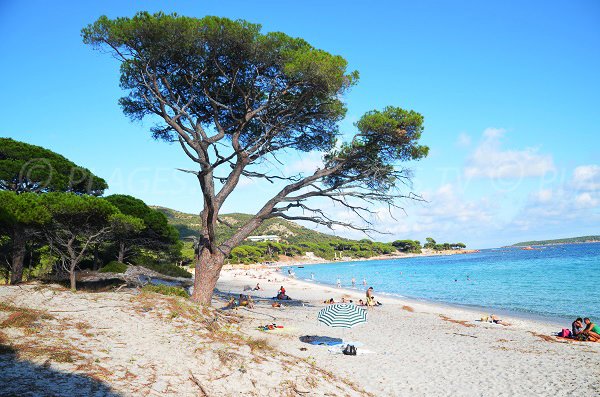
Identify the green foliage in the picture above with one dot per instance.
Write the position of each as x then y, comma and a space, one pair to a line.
21, 210
166, 290
77, 212
571, 240
430, 243
329, 250
114, 267
156, 228
386, 138
408, 246
29, 168
301, 86
125, 226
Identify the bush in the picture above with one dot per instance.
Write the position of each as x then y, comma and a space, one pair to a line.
166, 290
114, 267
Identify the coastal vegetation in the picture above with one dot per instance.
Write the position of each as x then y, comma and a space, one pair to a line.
231, 96
571, 240
60, 226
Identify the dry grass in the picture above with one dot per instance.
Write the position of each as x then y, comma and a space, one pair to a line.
546, 338
60, 354
225, 356
259, 344
22, 317
464, 323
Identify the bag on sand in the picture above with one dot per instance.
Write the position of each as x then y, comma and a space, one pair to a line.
349, 350
565, 333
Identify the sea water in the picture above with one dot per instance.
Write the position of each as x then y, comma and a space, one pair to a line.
555, 282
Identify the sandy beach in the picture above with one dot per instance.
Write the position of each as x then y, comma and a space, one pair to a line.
132, 343
416, 348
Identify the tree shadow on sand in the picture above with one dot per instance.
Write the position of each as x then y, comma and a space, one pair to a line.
26, 379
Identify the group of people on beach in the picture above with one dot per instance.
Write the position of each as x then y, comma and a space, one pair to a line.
585, 330
370, 300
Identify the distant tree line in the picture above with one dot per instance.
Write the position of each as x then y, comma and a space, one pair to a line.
53, 220
330, 250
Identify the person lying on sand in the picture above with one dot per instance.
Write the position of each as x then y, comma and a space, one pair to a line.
329, 301
591, 330
496, 320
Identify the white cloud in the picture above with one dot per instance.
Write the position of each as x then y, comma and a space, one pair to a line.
490, 160
543, 196
586, 200
587, 177
463, 140
493, 133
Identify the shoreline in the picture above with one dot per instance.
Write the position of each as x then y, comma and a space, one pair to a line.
424, 347
537, 318
308, 260
532, 321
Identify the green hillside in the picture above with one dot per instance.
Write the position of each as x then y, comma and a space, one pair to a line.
189, 225
572, 240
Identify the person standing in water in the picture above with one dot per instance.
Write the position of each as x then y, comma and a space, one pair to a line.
364, 281
353, 282
339, 282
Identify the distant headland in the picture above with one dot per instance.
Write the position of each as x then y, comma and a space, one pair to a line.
571, 240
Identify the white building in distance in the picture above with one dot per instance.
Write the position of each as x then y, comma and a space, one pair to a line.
269, 237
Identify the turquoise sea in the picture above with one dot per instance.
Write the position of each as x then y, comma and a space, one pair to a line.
558, 282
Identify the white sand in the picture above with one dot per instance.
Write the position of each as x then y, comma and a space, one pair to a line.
418, 353
147, 347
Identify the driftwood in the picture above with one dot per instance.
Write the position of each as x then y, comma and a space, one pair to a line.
136, 276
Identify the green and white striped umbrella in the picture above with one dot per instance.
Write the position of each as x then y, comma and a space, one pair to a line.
343, 315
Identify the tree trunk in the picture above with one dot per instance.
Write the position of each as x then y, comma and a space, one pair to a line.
18, 255
73, 281
121, 256
72, 267
208, 268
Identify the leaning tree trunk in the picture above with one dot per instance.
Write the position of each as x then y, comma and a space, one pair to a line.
18, 256
208, 267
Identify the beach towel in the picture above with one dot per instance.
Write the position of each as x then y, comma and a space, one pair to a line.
321, 340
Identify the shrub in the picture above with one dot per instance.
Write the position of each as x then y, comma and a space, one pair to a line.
114, 267
166, 290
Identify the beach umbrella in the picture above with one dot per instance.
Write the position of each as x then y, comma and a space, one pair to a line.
343, 315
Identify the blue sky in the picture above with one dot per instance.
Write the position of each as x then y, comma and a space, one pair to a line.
509, 91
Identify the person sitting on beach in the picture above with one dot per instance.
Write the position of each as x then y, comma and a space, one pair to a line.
281, 294
361, 302
576, 327
257, 288
591, 330
370, 297
329, 301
